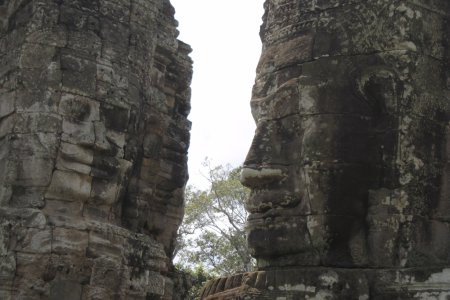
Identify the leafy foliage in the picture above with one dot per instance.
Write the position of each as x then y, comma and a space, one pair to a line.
212, 233
198, 276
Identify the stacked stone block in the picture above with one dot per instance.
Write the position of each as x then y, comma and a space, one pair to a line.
94, 98
349, 164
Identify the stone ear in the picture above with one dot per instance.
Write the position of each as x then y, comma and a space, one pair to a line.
378, 87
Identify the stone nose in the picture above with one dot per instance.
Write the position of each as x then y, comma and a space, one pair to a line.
254, 178
263, 165
101, 141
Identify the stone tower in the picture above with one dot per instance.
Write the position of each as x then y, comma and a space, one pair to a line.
349, 167
94, 98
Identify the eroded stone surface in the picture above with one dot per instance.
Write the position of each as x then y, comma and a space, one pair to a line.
349, 164
94, 98
332, 283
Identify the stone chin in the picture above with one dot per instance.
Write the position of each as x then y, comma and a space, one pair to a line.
304, 220
306, 240
281, 240
277, 224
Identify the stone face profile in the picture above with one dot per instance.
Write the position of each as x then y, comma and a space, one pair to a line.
94, 98
349, 166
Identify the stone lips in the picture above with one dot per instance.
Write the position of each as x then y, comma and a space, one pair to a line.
94, 98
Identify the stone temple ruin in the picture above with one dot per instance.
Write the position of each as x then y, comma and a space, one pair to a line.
93, 143
349, 167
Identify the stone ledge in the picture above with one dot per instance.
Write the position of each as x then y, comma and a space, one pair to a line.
332, 283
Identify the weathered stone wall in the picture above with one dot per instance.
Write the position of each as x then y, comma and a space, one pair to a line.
349, 167
94, 98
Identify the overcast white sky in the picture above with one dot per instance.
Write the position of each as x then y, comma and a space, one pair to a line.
224, 35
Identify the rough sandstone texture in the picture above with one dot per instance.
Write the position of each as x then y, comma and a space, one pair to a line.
94, 98
350, 164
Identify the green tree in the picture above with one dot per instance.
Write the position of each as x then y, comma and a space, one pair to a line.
195, 279
212, 233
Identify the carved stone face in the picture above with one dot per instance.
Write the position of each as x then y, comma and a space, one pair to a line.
93, 147
346, 163
326, 143
309, 167
90, 166
113, 141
